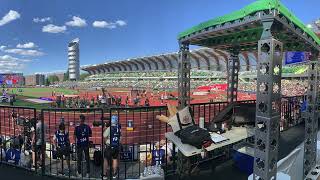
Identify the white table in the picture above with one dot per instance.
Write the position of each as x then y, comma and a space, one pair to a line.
236, 134
280, 176
152, 177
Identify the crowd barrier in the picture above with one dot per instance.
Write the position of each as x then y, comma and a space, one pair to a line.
51, 119
141, 135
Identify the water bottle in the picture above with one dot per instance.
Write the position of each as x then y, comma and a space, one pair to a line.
145, 172
201, 122
149, 170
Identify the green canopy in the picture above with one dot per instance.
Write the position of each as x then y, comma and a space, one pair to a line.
259, 5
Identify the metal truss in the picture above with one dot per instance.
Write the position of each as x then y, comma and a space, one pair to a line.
311, 117
184, 67
251, 34
268, 104
233, 72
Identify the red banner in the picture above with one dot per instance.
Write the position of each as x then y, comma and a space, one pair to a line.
221, 87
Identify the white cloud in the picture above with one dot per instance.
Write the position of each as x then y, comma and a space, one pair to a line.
77, 22
26, 45
50, 28
52, 72
41, 20
11, 58
10, 16
100, 24
109, 25
2, 47
121, 23
104, 24
24, 52
12, 64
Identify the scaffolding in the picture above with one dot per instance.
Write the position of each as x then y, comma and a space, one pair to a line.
269, 28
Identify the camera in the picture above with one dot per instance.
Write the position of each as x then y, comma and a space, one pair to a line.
106, 121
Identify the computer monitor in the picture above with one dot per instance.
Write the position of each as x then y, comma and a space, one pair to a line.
244, 113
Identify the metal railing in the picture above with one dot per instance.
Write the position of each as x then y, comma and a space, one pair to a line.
141, 135
17, 136
54, 162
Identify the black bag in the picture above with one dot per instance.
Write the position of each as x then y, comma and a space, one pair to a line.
97, 157
190, 133
194, 136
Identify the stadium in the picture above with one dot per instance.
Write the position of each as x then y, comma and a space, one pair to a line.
238, 100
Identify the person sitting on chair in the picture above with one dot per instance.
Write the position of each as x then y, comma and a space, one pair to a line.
13, 153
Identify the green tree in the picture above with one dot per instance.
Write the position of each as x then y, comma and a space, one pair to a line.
47, 83
66, 76
53, 78
83, 76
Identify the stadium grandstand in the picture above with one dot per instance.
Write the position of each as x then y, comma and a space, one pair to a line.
201, 59
159, 72
205, 63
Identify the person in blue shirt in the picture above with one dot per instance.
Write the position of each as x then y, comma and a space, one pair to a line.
112, 137
62, 143
158, 155
13, 154
304, 106
82, 134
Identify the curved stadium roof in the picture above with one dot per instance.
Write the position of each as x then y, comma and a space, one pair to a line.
201, 59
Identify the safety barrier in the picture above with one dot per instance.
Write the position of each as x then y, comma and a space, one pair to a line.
54, 163
142, 135
17, 129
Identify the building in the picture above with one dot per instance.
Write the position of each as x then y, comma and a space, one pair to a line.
73, 56
35, 80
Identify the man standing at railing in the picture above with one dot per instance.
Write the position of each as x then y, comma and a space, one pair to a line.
82, 134
38, 141
62, 143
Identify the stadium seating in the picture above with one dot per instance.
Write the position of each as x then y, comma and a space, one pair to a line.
167, 80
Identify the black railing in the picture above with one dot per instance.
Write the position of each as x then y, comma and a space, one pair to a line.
142, 134
17, 135
54, 162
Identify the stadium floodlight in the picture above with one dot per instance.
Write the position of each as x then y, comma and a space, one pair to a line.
317, 23
309, 26
314, 26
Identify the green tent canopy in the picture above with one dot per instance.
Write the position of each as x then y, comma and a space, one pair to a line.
252, 32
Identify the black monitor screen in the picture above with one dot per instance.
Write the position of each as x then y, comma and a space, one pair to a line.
244, 113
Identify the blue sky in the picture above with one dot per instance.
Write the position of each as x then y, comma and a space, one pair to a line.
34, 34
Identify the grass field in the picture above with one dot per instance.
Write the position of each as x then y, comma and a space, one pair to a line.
36, 93
41, 92
21, 102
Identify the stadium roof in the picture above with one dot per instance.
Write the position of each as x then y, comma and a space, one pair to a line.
201, 59
244, 27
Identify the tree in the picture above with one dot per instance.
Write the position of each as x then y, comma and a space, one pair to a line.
47, 83
53, 78
83, 76
66, 76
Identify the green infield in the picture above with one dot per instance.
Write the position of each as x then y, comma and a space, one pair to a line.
23, 103
40, 92
37, 92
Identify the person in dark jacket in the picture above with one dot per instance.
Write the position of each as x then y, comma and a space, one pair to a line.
82, 134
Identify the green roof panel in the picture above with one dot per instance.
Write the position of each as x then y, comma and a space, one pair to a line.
256, 6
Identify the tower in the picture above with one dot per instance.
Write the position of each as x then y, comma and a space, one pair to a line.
74, 63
